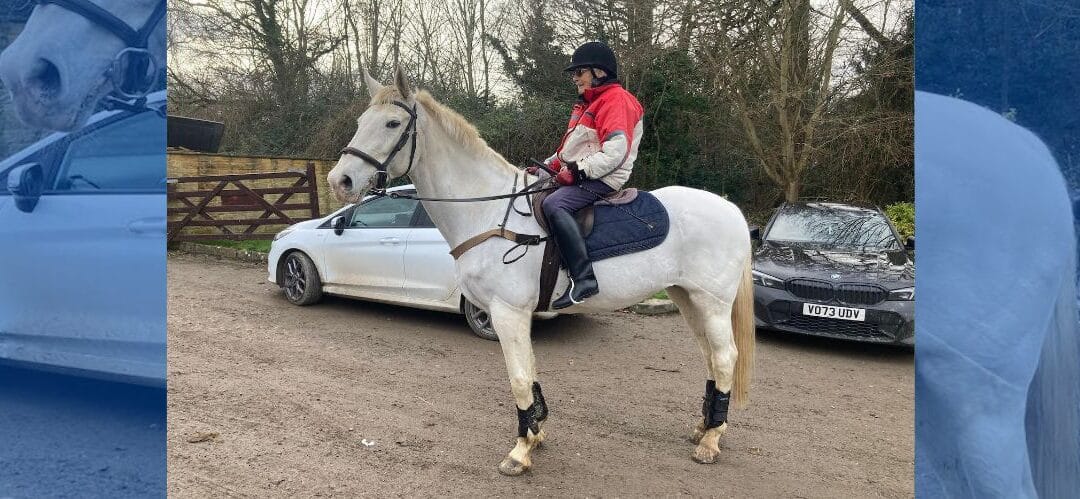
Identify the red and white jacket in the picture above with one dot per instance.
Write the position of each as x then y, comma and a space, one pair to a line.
603, 135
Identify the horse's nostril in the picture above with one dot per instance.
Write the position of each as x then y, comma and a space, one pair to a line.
44, 77
346, 182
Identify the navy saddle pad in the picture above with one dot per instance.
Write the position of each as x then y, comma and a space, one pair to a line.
616, 232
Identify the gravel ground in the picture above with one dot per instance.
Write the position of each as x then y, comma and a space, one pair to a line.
64, 436
349, 398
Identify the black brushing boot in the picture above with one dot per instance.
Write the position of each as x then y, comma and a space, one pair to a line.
576, 258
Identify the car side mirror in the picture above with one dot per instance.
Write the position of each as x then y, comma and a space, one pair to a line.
338, 223
25, 182
909, 243
755, 233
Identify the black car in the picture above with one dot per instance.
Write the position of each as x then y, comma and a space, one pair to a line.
836, 270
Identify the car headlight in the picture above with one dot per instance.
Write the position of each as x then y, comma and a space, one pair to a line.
902, 294
767, 280
283, 233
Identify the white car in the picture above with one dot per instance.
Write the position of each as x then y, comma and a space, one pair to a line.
383, 249
82, 233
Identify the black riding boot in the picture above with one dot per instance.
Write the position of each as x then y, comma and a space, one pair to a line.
576, 258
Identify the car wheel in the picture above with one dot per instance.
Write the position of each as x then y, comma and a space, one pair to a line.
300, 279
479, 321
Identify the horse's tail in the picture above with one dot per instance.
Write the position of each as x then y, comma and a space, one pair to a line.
742, 321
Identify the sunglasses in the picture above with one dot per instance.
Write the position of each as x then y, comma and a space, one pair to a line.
576, 73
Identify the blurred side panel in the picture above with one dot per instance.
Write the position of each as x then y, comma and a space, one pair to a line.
82, 248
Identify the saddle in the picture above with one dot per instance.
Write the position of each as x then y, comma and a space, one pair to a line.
640, 223
586, 216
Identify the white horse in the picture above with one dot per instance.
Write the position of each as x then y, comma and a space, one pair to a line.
73, 53
704, 264
997, 375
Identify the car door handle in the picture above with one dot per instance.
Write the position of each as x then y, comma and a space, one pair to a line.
392, 241
152, 225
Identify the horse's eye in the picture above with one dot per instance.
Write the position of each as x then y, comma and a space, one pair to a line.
393, 124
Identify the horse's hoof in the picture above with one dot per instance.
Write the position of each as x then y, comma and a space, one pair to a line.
704, 456
512, 467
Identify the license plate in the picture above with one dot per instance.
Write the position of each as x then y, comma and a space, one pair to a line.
848, 314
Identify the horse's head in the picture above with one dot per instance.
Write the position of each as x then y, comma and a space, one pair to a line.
73, 53
385, 138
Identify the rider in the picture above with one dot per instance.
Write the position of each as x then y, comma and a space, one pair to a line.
594, 158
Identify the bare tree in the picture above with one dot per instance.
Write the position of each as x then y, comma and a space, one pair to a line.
426, 30
780, 85
281, 35
463, 20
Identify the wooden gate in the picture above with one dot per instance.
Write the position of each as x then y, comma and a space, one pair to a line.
225, 206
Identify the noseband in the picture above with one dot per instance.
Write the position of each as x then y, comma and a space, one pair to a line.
381, 166
132, 82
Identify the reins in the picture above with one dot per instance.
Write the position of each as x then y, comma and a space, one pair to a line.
513, 194
525, 192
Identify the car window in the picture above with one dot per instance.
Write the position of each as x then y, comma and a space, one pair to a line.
839, 228
123, 156
44, 152
422, 218
384, 212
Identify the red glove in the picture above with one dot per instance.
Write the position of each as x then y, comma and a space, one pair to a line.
535, 170
566, 177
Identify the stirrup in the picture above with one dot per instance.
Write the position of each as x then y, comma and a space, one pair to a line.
569, 295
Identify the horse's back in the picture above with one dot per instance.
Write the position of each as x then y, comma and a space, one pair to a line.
994, 208
708, 236
687, 202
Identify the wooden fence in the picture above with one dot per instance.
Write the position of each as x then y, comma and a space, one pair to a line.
183, 163
214, 207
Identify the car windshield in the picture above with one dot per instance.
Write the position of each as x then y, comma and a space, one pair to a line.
845, 227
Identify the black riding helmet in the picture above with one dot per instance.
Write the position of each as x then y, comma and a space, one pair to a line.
594, 55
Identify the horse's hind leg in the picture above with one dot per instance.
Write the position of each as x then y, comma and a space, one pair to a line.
697, 326
710, 320
513, 327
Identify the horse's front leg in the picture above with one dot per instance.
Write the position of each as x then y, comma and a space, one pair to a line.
513, 326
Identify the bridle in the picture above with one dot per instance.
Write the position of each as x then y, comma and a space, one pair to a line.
130, 80
381, 166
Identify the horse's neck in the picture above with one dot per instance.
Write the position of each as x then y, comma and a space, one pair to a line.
449, 170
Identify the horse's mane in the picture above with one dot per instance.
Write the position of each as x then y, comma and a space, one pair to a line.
456, 126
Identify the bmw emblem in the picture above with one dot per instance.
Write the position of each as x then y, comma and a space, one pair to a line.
836, 277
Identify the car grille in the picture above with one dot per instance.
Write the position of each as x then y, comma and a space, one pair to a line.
850, 329
812, 290
862, 294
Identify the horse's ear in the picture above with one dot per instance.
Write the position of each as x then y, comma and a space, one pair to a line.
373, 85
403, 84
